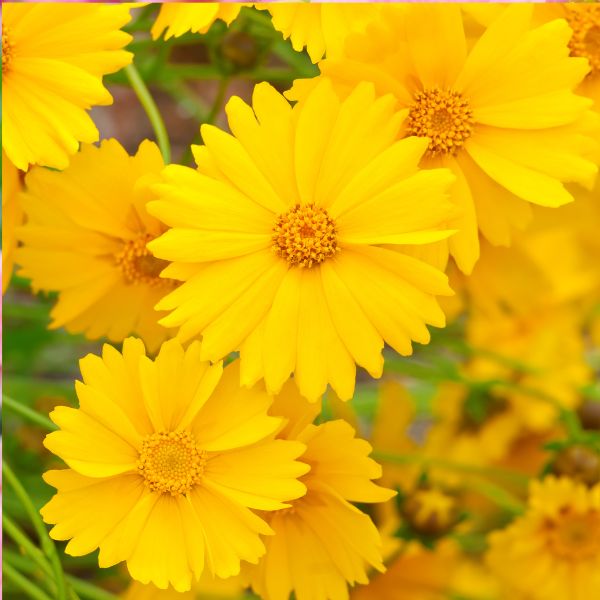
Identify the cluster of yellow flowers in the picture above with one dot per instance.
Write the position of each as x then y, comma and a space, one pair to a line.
419, 179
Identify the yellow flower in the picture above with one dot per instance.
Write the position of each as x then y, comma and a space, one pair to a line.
322, 28
500, 113
53, 60
208, 588
278, 238
180, 18
552, 552
12, 216
322, 542
85, 237
167, 458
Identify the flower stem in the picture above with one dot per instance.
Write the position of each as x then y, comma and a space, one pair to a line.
46, 543
32, 590
28, 413
154, 116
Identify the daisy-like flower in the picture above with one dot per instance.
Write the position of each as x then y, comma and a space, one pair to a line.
322, 542
53, 60
12, 215
500, 112
179, 18
85, 237
285, 239
552, 552
185, 451
321, 28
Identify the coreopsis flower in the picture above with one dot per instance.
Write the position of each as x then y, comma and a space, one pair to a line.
321, 28
289, 239
322, 542
166, 460
85, 238
500, 112
552, 552
53, 59
178, 18
12, 215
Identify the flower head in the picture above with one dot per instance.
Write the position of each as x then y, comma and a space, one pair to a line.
293, 239
553, 551
186, 452
53, 60
500, 112
85, 237
322, 542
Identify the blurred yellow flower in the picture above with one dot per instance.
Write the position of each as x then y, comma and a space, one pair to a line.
322, 542
12, 216
283, 239
501, 113
178, 18
321, 28
552, 552
85, 237
185, 451
53, 59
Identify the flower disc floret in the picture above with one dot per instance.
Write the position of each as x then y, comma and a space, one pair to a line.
170, 462
305, 235
7, 50
585, 42
138, 264
444, 116
574, 536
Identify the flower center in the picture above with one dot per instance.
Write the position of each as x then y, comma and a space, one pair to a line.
170, 462
305, 235
139, 265
444, 116
585, 41
7, 50
575, 536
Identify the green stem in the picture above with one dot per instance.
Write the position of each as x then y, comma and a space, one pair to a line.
28, 413
154, 116
32, 590
26, 545
88, 590
46, 543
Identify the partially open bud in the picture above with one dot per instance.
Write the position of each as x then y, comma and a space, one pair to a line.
579, 463
239, 49
589, 415
430, 511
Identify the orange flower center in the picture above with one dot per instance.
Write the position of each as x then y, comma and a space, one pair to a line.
7, 50
575, 536
138, 265
170, 462
305, 235
585, 42
444, 116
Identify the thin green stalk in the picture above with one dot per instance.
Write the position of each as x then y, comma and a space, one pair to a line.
154, 116
32, 590
89, 591
46, 543
28, 413
26, 545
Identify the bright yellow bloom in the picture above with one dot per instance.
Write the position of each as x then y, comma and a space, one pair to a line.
500, 113
286, 237
53, 59
320, 27
85, 237
12, 216
179, 18
322, 542
167, 458
553, 551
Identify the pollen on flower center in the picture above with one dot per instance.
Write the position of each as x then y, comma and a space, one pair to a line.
139, 265
170, 462
585, 41
7, 50
305, 235
575, 536
444, 116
